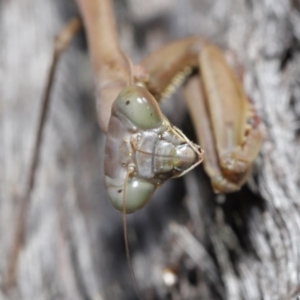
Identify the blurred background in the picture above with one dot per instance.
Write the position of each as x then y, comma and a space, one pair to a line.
187, 243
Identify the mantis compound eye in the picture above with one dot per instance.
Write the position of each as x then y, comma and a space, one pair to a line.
139, 106
134, 194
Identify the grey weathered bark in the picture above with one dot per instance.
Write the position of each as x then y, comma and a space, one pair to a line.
242, 246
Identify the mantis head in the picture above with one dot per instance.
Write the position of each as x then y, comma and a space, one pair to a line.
143, 150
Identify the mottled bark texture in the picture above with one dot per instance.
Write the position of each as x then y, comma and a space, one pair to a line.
241, 246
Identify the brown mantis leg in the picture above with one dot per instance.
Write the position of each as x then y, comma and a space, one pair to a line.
112, 68
194, 90
62, 41
232, 134
234, 122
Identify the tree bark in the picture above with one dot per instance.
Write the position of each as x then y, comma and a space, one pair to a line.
240, 246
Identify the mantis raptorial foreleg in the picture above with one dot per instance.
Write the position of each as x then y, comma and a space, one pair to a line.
225, 121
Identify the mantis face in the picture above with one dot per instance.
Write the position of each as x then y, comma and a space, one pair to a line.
143, 150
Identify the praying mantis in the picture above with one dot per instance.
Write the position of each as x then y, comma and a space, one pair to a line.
143, 149
226, 122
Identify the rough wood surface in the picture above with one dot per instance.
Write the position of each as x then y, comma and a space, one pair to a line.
241, 246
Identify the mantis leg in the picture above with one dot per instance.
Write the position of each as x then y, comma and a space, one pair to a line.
234, 122
112, 69
225, 120
198, 110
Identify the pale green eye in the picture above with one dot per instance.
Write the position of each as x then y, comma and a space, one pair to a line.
139, 106
138, 193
